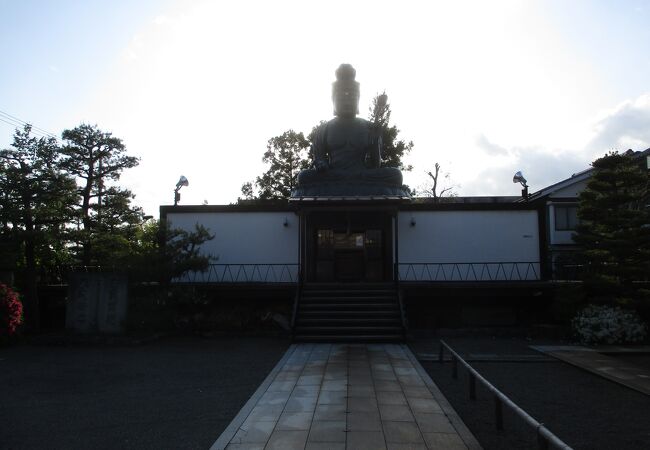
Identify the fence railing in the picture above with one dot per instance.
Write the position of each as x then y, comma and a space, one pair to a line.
244, 273
566, 270
544, 435
481, 271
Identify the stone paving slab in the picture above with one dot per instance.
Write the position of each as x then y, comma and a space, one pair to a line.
592, 360
347, 396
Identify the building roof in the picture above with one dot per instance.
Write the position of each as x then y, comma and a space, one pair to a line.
350, 199
577, 178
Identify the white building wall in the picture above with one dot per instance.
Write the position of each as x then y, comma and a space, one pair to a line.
442, 246
468, 245
247, 247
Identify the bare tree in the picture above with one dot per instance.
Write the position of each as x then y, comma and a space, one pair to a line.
440, 187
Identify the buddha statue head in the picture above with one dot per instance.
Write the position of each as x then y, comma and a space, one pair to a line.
345, 92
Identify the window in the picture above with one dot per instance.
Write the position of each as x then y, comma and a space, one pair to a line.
348, 241
566, 218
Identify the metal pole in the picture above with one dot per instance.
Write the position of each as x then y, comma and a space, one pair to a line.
541, 440
498, 413
500, 399
472, 387
396, 245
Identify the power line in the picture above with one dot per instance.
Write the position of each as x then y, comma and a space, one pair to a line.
24, 123
16, 122
18, 125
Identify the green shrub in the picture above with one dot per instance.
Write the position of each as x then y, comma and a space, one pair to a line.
601, 324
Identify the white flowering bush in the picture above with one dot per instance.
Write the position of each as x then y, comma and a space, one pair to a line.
608, 325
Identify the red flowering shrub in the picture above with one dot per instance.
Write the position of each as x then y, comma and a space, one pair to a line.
11, 311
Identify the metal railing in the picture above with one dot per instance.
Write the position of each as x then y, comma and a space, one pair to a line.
544, 435
244, 273
567, 272
483, 271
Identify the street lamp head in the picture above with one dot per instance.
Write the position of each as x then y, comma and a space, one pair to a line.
182, 182
519, 178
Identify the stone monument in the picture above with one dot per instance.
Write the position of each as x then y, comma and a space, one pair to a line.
97, 302
347, 151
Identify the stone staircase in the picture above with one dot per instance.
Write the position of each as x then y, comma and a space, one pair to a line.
348, 312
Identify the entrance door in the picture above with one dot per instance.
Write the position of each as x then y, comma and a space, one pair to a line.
349, 256
348, 246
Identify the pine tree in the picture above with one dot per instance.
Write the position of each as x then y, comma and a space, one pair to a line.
615, 225
37, 199
393, 150
96, 158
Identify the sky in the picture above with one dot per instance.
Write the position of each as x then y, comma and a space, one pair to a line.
197, 88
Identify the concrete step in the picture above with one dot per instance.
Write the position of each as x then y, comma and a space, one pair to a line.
345, 306
350, 338
315, 314
395, 319
367, 312
349, 330
350, 293
347, 298
351, 286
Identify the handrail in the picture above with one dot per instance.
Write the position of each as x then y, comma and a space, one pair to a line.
244, 273
470, 271
544, 435
402, 309
296, 302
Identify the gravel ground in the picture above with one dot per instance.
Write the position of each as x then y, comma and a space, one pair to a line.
177, 393
584, 410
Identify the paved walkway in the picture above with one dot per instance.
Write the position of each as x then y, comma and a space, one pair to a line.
345, 396
596, 361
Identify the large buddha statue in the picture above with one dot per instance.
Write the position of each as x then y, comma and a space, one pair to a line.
347, 151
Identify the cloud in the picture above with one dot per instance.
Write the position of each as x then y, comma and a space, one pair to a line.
490, 148
626, 126
540, 166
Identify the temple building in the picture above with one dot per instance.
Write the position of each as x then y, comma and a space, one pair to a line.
359, 259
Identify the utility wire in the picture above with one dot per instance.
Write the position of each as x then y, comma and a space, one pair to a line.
19, 125
16, 122
24, 123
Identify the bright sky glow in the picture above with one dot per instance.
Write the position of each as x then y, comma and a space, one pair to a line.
198, 87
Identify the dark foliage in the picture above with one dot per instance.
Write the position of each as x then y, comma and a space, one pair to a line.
393, 149
286, 156
615, 227
96, 157
36, 202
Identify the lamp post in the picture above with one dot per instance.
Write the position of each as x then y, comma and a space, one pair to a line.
181, 182
519, 178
